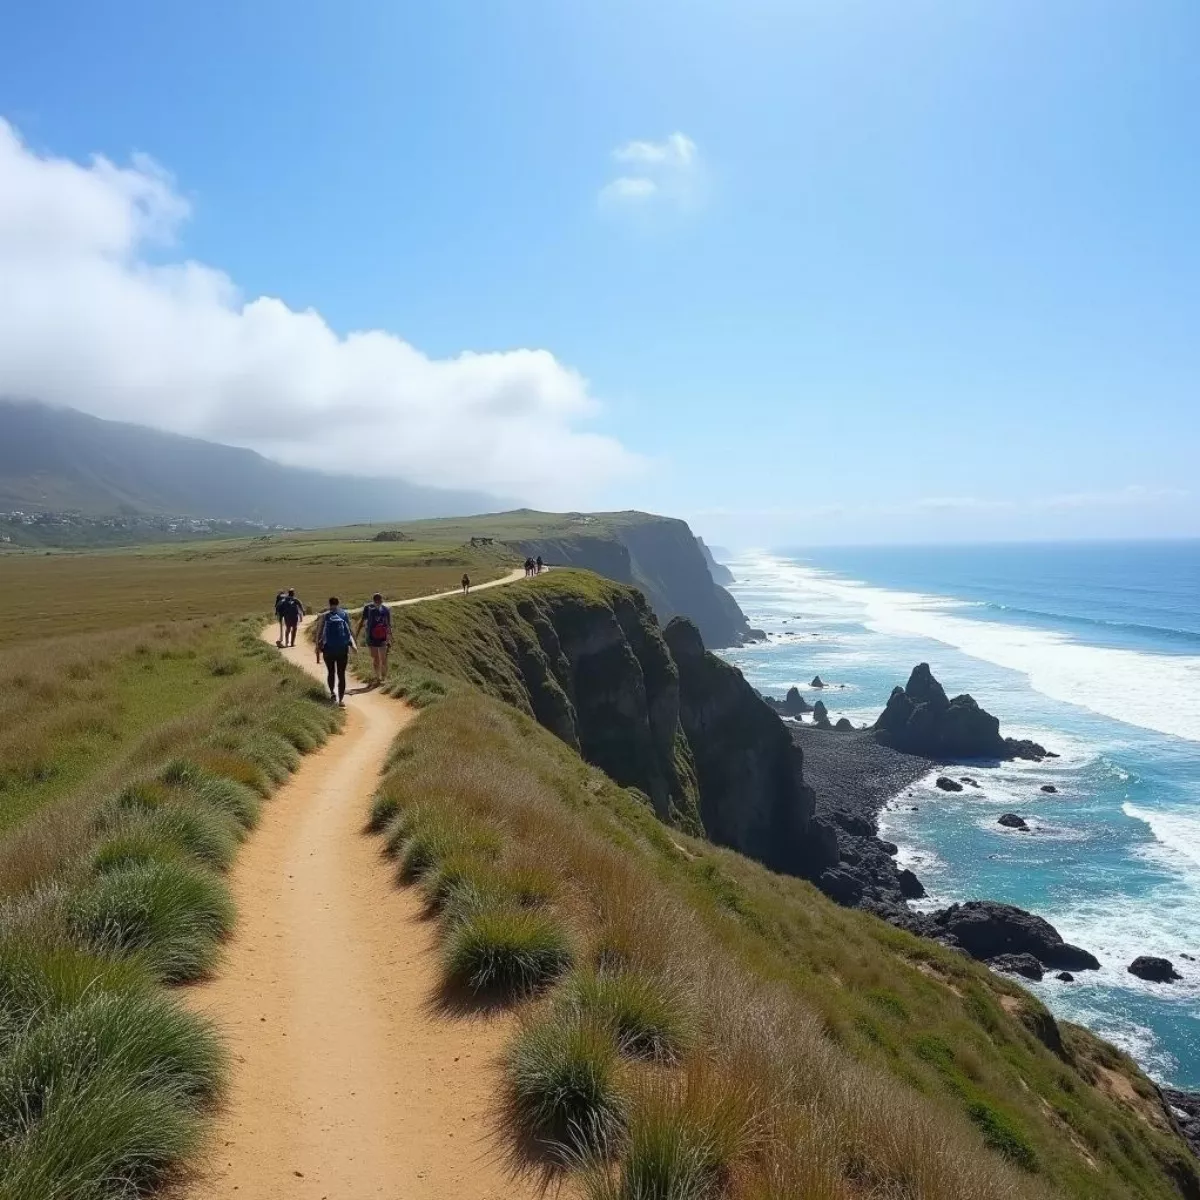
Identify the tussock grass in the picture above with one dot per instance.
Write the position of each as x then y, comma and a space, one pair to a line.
209, 837
169, 915
646, 1016
510, 951
564, 1081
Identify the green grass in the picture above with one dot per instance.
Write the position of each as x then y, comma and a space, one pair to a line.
646, 1019
510, 951
563, 1073
169, 915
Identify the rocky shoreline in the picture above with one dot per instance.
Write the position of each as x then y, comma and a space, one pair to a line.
856, 773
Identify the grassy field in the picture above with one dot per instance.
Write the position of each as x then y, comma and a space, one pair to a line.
701, 1021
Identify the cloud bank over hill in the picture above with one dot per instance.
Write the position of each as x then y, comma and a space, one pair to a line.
96, 314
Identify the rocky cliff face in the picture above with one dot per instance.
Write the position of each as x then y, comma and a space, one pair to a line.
588, 659
662, 557
750, 774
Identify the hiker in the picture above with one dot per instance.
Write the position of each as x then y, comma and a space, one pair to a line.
376, 618
528, 567
466, 583
279, 598
539, 564
334, 643
291, 610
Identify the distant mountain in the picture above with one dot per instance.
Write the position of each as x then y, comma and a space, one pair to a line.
58, 459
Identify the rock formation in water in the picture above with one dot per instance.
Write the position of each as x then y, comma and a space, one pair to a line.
921, 719
1154, 969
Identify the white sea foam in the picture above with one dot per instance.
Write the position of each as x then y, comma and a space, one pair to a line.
1153, 691
1178, 832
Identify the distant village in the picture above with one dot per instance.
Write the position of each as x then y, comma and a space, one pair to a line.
86, 528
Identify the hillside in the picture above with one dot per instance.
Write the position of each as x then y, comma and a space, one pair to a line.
660, 555
57, 459
860, 1061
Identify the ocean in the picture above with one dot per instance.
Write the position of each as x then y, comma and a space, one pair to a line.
1092, 649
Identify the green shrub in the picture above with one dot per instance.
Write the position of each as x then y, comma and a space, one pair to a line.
41, 977
130, 847
136, 1036
170, 915
223, 665
384, 809
507, 950
425, 848
100, 1138
206, 836
143, 794
235, 799
681, 1143
563, 1078
645, 1018
1002, 1134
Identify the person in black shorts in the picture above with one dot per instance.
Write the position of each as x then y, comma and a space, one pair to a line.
334, 643
466, 583
376, 618
291, 610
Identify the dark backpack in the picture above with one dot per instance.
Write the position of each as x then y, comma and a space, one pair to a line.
289, 606
379, 622
335, 634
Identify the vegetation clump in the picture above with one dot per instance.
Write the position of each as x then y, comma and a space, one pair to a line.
563, 1073
647, 1020
511, 951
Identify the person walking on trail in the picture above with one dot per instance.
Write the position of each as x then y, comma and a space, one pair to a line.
334, 643
376, 619
279, 598
539, 564
291, 610
466, 583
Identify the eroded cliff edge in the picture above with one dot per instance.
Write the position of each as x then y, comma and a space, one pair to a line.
652, 708
659, 555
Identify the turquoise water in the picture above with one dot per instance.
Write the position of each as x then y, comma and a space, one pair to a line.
1093, 650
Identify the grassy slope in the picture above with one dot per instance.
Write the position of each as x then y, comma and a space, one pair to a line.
936, 1031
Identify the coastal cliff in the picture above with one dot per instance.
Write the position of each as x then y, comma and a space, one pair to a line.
587, 659
659, 555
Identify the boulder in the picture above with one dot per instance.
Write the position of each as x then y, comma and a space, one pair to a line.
854, 823
1049, 789
987, 929
1153, 969
969, 780
920, 719
843, 725
1185, 1109
792, 705
910, 886
1011, 821
1018, 964
817, 682
821, 715
889, 847
841, 885
1065, 976
949, 785
754, 635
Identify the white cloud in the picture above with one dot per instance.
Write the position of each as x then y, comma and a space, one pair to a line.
626, 189
88, 319
670, 172
677, 151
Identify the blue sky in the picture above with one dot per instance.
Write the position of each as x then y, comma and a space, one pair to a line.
876, 272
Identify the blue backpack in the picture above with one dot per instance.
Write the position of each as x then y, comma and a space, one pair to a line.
335, 635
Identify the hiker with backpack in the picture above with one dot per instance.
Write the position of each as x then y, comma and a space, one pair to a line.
376, 618
279, 598
334, 643
291, 610
466, 583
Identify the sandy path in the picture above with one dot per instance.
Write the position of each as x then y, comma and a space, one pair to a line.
345, 1085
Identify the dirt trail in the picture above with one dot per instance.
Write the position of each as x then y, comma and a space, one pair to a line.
345, 1084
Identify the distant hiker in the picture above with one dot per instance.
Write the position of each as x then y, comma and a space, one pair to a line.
466, 583
539, 564
334, 643
291, 610
528, 567
376, 618
279, 598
